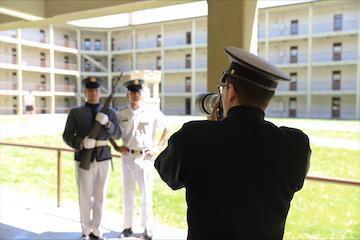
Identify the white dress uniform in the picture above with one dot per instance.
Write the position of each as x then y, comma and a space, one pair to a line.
138, 127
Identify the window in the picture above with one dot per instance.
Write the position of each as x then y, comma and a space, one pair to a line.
336, 80
158, 63
87, 44
188, 61
87, 65
188, 37
43, 105
292, 107
293, 54
14, 56
338, 22
66, 40
112, 64
335, 107
294, 27
158, 40
42, 35
42, 85
112, 44
188, 84
42, 59
293, 81
97, 69
187, 106
337, 48
97, 44
14, 104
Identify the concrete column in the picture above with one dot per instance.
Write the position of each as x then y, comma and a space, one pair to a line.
309, 65
109, 56
19, 74
357, 96
52, 69
230, 23
267, 35
193, 66
78, 81
163, 80
133, 49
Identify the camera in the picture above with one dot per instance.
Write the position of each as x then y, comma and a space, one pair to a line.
207, 101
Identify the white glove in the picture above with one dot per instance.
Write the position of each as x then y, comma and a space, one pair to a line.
102, 118
89, 143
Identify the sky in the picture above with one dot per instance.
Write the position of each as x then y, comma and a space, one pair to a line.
180, 11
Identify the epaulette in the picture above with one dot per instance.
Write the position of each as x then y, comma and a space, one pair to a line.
122, 108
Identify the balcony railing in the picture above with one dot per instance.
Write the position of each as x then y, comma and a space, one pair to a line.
62, 109
65, 88
175, 65
8, 85
7, 59
329, 56
169, 42
94, 47
64, 43
8, 33
32, 36
42, 109
66, 66
177, 88
200, 88
287, 31
7, 110
146, 44
201, 64
122, 46
201, 39
147, 66
122, 68
36, 87
329, 27
328, 85
300, 86
286, 59
35, 62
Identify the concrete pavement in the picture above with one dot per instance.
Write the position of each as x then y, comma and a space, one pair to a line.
31, 217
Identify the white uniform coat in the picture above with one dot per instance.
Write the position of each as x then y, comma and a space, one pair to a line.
138, 128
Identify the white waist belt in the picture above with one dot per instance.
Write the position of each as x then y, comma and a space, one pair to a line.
101, 143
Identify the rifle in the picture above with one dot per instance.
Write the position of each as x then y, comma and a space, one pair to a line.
86, 156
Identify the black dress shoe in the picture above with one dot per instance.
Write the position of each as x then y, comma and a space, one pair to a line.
94, 237
126, 232
147, 235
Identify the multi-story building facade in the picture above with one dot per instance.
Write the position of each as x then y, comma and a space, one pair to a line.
316, 43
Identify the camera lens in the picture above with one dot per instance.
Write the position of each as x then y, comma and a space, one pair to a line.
207, 101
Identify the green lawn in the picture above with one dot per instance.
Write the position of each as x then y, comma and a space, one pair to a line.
319, 210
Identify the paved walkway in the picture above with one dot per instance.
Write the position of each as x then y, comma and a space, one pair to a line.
30, 217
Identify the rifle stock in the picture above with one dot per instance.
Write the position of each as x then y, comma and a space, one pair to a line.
86, 155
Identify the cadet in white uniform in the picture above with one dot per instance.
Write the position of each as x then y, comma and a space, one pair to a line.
138, 123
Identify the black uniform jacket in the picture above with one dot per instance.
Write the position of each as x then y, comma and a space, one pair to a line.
79, 124
240, 174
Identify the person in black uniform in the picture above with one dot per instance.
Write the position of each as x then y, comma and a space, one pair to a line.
240, 173
92, 183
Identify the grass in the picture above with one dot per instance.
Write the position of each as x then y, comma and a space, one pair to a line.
319, 210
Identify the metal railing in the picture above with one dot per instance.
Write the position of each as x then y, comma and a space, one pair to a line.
325, 179
59, 164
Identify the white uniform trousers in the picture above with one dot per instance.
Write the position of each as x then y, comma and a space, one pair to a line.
92, 188
137, 168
